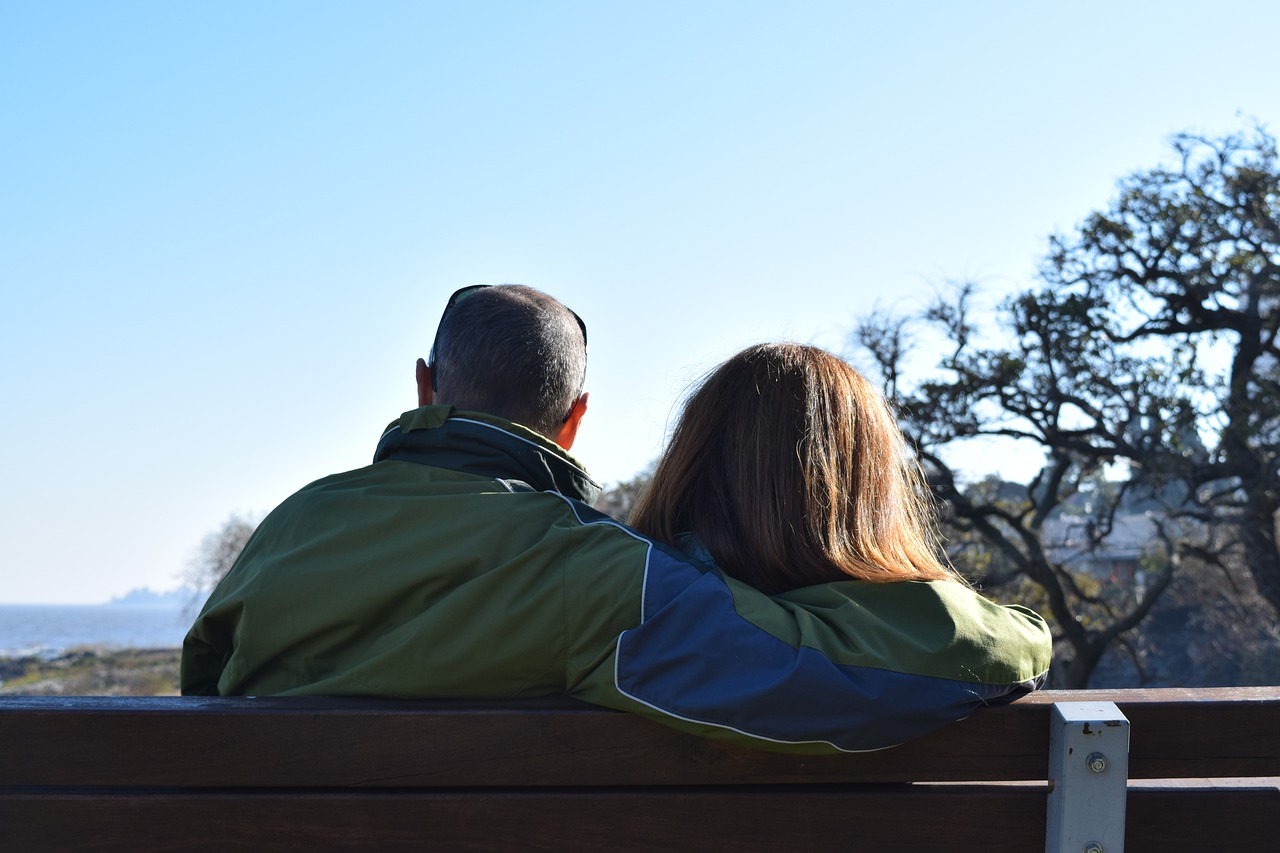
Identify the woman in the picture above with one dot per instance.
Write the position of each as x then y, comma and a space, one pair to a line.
788, 471
788, 468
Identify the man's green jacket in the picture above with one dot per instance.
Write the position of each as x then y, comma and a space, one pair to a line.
466, 563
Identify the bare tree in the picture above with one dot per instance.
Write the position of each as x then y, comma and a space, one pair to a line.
217, 553
620, 498
1148, 358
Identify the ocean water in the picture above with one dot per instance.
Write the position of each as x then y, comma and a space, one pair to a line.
50, 629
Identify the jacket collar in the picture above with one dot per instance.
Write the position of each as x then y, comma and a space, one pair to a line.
487, 446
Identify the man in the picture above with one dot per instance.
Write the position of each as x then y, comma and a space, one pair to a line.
466, 562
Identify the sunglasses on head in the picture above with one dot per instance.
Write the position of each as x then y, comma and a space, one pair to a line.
458, 296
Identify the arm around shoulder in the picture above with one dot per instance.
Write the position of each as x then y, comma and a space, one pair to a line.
841, 667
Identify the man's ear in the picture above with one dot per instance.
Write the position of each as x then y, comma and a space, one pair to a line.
569, 429
423, 375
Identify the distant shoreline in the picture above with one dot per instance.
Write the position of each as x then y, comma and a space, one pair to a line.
183, 596
99, 649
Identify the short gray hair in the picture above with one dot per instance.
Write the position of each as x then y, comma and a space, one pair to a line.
514, 352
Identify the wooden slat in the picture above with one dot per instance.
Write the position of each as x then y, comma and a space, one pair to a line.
1192, 732
334, 774
1185, 817
276, 742
904, 819
737, 819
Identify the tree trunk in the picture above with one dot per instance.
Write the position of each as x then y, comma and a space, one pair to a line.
1077, 672
1261, 554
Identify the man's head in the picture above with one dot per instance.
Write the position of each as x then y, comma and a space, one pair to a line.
511, 351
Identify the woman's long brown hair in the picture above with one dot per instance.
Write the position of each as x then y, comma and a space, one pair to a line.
790, 468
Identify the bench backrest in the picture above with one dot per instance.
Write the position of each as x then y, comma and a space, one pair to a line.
189, 773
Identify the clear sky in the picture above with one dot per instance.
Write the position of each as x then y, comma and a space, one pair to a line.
228, 229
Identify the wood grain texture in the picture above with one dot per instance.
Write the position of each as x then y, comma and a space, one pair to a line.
338, 743
955, 819
737, 819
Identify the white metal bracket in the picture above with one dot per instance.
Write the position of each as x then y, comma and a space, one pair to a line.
1088, 778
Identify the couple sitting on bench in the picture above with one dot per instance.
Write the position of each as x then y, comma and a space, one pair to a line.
779, 585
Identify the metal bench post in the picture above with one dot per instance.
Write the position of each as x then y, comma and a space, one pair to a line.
1088, 778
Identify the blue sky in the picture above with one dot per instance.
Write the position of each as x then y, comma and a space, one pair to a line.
227, 230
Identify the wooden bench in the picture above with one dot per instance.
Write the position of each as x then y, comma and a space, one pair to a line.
155, 774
